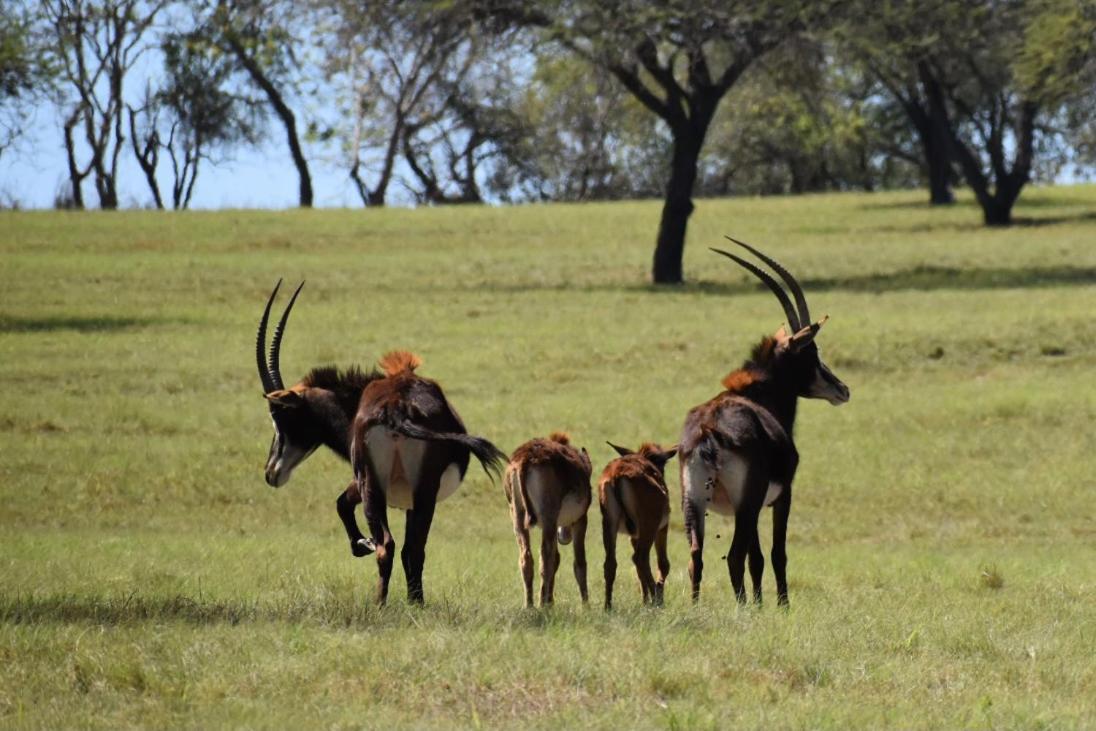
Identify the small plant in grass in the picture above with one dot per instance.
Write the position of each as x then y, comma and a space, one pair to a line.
991, 578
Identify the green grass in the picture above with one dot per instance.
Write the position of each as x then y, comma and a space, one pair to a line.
942, 545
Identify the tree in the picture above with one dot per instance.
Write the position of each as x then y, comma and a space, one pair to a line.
259, 36
800, 121
396, 62
194, 113
678, 59
25, 74
887, 41
96, 44
981, 81
574, 133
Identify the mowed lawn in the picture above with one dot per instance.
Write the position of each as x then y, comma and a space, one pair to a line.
942, 543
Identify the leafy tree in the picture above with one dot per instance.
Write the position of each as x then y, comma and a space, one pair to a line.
798, 122
260, 36
981, 81
25, 75
678, 59
583, 136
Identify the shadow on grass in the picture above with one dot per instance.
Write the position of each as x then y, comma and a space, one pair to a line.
14, 324
945, 224
919, 278
1025, 202
122, 610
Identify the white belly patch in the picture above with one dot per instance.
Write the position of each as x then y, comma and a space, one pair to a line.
720, 490
571, 509
398, 464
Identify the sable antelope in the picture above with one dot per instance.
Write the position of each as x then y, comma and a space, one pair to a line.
397, 430
634, 500
736, 451
409, 450
316, 410
548, 483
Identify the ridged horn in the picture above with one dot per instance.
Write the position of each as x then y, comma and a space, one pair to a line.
260, 344
276, 341
793, 285
789, 311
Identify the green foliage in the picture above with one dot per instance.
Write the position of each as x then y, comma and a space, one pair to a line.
799, 122
941, 560
198, 92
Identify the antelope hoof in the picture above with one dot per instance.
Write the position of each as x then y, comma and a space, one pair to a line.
362, 547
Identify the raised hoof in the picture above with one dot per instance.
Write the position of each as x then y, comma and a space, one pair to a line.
362, 547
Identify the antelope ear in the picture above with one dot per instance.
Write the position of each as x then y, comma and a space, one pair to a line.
659, 459
285, 397
807, 334
622, 451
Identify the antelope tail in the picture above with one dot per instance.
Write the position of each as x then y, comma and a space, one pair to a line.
523, 494
629, 524
490, 457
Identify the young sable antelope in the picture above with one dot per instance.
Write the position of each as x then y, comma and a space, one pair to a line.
547, 483
736, 451
634, 500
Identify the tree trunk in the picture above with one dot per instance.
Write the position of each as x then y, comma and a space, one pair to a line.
76, 177
285, 114
677, 208
940, 171
937, 154
998, 212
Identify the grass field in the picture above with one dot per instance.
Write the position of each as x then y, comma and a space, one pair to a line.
942, 544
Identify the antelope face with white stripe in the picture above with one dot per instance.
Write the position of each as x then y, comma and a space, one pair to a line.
800, 360
296, 434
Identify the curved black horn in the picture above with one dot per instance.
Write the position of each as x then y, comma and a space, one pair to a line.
260, 344
789, 311
276, 342
797, 291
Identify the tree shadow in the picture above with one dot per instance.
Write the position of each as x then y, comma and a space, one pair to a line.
16, 324
1025, 202
943, 224
929, 277
921, 278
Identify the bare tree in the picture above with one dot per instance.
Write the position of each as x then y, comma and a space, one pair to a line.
194, 114
391, 58
97, 44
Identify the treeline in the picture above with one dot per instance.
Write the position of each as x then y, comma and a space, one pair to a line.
461, 101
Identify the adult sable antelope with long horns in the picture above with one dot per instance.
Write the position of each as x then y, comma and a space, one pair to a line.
736, 452
407, 445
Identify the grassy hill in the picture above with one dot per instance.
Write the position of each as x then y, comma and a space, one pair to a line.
942, 544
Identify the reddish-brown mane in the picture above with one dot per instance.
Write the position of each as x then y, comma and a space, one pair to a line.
399, 361
753, 370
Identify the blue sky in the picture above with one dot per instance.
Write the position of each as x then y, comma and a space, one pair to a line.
252, 178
